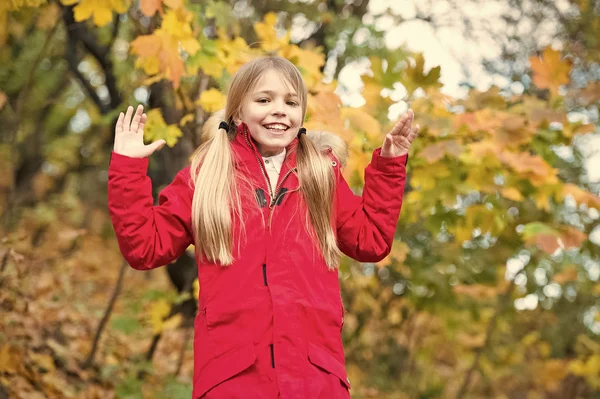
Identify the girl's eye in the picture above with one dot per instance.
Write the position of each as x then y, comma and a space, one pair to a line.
293, 103
262, 100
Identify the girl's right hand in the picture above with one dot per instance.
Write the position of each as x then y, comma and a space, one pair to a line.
129, 135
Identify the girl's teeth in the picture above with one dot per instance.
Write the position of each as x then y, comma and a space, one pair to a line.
280, 128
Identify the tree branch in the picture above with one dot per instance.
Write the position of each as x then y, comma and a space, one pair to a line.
90, 359
77, 32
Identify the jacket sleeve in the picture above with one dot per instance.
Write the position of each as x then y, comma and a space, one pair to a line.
366, 225
149, 236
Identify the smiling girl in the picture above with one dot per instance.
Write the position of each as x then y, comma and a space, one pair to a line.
270, 214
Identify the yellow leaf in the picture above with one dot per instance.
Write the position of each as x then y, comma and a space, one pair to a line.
511, 193
157, 129
150, 65
43, 361
191, 45
268, 35
177, 24
158, 311
174, 3
309, 62
172, 323
196, 288
471, 340
362, 121
398, 254
549, 71
100, 10
211, 100
68, 2
10, 359
47, 19
173, 134
2, 99
187, 118
14, 5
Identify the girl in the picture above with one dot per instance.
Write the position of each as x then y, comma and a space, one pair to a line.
270, 215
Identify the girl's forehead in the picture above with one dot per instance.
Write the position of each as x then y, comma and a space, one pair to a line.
272, 80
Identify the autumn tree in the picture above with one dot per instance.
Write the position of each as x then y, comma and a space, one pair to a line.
492, 284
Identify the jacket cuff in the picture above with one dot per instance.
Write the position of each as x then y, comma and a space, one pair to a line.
388, 165
125, 164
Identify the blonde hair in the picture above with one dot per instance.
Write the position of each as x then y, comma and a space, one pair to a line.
217, 193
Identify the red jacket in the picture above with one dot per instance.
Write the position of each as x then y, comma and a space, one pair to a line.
270, 324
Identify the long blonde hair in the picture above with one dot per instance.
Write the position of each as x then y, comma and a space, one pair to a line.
217, 193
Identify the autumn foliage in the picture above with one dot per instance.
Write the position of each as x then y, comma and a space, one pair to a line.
491, 289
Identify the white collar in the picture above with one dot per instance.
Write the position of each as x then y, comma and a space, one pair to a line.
276, 160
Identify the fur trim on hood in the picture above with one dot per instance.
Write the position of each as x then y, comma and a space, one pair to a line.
322, 139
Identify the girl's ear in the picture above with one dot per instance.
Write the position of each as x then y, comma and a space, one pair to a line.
237, 120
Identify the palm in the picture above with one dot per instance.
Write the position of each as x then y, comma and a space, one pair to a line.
129, 135
398, 140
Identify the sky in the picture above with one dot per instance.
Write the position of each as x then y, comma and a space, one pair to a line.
445, 47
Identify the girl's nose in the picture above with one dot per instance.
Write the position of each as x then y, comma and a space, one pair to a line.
278, 108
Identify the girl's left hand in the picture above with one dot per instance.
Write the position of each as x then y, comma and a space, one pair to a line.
398, 140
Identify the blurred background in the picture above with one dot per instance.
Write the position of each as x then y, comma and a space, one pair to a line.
492, 287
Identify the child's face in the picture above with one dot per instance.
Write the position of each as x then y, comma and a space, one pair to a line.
273, 113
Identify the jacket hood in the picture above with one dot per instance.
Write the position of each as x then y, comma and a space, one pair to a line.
323, 140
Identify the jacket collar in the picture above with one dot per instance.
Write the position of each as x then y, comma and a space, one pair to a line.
246, 152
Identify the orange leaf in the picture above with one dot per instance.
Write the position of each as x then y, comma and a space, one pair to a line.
150, 7
572, 238
547, 243
475, 291
524, 162
581, 196
549, 71
568, 274
165, 48
435, 152
590, 94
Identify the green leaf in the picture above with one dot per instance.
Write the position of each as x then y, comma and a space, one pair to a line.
125, 324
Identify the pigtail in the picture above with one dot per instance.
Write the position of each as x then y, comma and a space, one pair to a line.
215, 194
317, 184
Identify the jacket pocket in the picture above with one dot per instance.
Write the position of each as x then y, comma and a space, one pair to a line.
222, 368
324, 360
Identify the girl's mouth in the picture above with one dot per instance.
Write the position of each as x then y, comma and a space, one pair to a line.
276, 127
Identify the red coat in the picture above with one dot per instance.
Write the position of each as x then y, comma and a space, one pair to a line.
270, 324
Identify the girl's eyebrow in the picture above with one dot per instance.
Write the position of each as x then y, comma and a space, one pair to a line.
271, 93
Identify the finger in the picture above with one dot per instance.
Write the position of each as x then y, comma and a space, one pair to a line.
127, 120
387, 143
403, 124
157, 145
142, 123
413, 134
119, 125
136, 118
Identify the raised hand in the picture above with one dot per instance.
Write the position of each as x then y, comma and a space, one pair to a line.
129, 135
398, 140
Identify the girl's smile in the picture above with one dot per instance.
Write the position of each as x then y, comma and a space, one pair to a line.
272, 112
